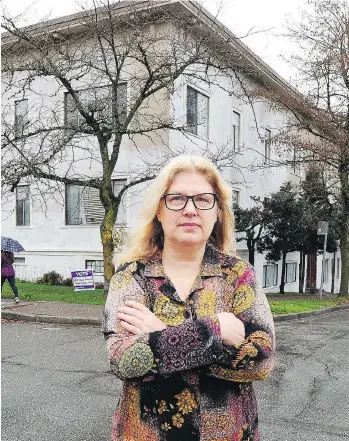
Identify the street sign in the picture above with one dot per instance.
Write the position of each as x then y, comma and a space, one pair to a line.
83, 280
322, 228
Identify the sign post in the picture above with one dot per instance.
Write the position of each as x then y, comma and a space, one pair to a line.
83, 280
322, 230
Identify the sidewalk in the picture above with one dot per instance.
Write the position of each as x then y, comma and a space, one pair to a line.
91, 315
52, 312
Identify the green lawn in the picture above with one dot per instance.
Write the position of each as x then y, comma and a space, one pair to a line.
298, 305
35, 292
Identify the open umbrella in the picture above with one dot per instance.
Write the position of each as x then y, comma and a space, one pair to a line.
8, 244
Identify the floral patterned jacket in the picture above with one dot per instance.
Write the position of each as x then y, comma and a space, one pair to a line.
182, 383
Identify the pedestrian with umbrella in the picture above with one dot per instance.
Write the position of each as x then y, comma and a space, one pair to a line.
8, 247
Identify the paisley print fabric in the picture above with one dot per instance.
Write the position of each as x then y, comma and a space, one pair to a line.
182, 383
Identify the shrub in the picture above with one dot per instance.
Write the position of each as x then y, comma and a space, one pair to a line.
67, 282
99, 285
51, 278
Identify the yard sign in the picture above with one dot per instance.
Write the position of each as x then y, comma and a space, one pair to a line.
83, 280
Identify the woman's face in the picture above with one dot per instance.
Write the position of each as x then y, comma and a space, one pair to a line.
189, 226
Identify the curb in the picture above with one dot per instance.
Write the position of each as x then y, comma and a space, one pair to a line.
40, 318
299, 315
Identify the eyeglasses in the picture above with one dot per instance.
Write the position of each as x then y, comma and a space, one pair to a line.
202, 201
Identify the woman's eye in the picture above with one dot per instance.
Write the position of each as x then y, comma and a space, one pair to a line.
202, 199
177, 198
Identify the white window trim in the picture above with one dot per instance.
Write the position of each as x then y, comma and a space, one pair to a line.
30, 209
239, 193
126, 197
277, 274
234, 109
93, 259
20, 264
291, 262
326, 274
65, 93
267, 160
206, 93
15, 106
127, 210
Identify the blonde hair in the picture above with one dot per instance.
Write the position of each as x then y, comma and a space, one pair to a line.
148, 237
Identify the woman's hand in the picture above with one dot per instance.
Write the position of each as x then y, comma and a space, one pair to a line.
138, 319
232, 329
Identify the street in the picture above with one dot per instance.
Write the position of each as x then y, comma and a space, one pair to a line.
56, 383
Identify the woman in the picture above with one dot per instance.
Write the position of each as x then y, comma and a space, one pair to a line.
187, 325
8, 272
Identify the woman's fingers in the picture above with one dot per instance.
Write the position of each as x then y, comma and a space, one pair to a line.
138, 306
131, 311
132, 320
132, 329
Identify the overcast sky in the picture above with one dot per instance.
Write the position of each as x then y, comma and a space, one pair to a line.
240, 16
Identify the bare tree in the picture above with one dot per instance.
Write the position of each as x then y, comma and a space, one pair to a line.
318, 133
115, 68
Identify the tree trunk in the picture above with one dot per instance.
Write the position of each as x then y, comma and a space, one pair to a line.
283, 273
108, 246
250, 246
344, 244
333, 271
111, 210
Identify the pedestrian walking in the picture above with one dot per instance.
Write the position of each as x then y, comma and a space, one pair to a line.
8, 272
187, 325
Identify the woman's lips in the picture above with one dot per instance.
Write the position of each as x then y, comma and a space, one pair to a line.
189, 225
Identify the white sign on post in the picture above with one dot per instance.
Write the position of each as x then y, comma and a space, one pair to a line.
83, 280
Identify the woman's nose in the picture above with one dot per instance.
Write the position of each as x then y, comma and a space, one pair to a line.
190, 208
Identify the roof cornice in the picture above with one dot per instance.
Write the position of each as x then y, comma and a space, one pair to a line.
72, 23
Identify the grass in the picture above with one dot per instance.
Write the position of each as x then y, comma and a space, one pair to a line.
279, 303
299, 305
37, 292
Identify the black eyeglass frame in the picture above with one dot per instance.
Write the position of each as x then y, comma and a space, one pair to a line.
215, 199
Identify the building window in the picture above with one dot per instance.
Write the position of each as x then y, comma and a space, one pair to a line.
338, 270
19, 260
326, 263
236, 130
118, 184
22, 206
84, 207
295, 165
267, 146
100, 103
291, 272
96, 265
197, 113
236, 196
270, 275
21, 117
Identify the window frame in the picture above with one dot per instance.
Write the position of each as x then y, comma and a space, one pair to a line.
19, 130
294, 263
22, 262
267, 146
95, 224
239, 137
197, 124
68, 96
264, 279
90, 267
237, 200
338, 269
29, 206
326, 268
